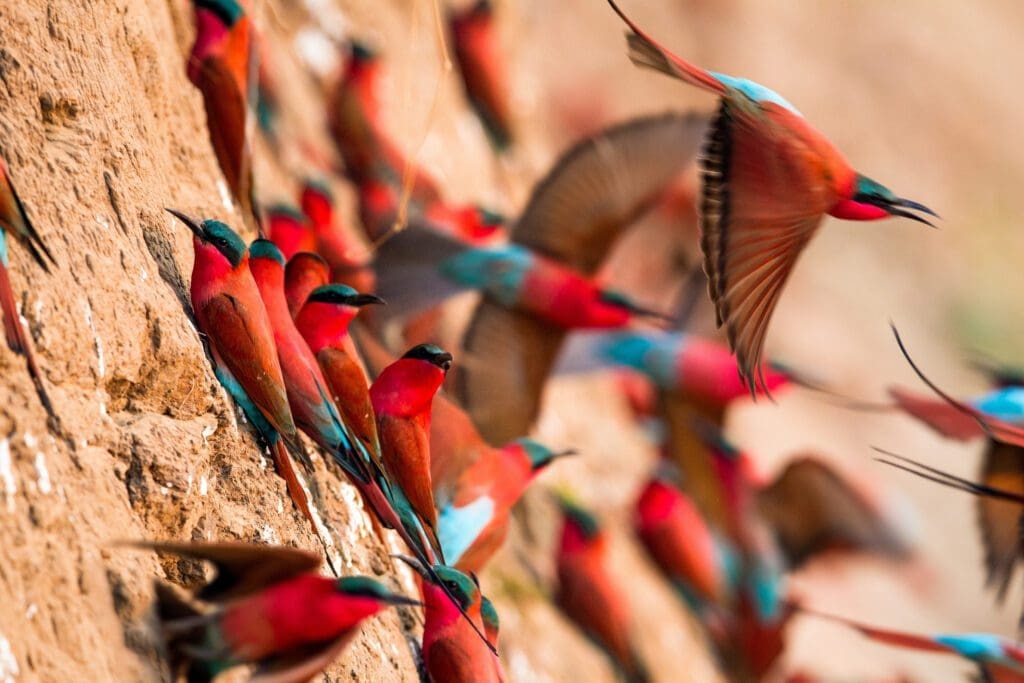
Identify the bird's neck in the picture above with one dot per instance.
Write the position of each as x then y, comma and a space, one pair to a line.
324, 325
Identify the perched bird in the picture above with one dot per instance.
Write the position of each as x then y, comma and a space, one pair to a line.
238, 331
492, 623
483, 69
452, 647
324, 323
290, 231
303, 274
542, 284
224, 66
700, 563
999, 659
355, 125
474, 516
769, 179
589, 596
343, 253
14, 220
272, 609
401, 396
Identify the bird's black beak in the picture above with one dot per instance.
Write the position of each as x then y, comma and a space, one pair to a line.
564, 454
189, 222
444, 361
360, 300
416, 565
904, 207
397, 599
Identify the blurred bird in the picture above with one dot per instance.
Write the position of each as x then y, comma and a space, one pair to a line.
14, 220
483, 69
272, 609
355, 125
452, 648
699, 563
344, 254
402, 397
304, 273
473, 518
999, 659
224, 67
587, 593
542, 283
290, 231
237, 328
769, 179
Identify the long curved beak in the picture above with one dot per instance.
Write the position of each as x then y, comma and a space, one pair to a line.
900, 206
360, 300
416, 565
564, 454
397, 599
190, 222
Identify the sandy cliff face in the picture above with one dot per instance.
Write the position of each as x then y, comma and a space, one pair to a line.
102, 129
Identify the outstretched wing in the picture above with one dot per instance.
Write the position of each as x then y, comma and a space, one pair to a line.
603, 184
242, 568
813, 511
507, 358
764, 197
1000, 520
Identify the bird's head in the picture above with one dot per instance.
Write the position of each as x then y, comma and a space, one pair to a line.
214, 240
227, 11
265, 250
371, 589
343, 296
580, 528
492, 623
362, 53
870, 200
317, 203
432, 354
540, 455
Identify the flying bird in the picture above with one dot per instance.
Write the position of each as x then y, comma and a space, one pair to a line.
542, 283
270, 608
14, 221
768, 180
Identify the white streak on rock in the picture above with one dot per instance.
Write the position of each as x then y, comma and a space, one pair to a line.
225, 196
42, 475
7, 474
8, 664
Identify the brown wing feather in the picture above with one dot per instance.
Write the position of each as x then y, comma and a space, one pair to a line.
242, 568
813, 511
228, 122
762, 202
603, 184
507, 358
1000, 520
302, 666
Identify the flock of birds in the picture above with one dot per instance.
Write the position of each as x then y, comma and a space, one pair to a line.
299, 335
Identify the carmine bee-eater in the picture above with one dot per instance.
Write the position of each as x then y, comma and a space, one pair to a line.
224, 66
14, 221
452, 646
700, 563
768, 180
542, 284
273, 610
482, 67
999, 659
289, 229
323, 323
587, 593
355, 125
473, 522
304, 273
344, 254
231, 315
401, 396
316, 413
